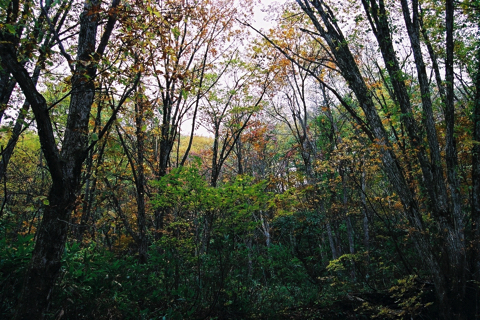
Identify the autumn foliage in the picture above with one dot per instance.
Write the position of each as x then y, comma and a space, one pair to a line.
174, 160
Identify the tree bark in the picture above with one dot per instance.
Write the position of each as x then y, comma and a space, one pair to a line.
136, 165
65, 166
457, 258
332, 34
413, 28
364, 209
140, 183
476, 171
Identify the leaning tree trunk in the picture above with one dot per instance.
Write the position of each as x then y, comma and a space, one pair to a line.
7, 83
337, 43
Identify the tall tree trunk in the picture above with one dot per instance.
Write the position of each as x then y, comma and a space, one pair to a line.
457, 250
456, 246
167, 141
338, 45
140, 183
331, 242
476, 170
364, 209
52, 233
239, 154
413, 28
431, 171
65, 166
136, 165
433, 58
348, 221
90, 188
215, 169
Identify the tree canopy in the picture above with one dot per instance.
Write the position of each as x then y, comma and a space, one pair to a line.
175, 160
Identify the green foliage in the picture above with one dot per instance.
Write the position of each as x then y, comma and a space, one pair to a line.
212, 262
315, 229
14, 258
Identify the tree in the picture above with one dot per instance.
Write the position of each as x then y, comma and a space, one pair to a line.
446, 209
65, 165
7, 83
229, 107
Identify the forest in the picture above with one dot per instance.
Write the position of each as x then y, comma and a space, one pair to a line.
186, 159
